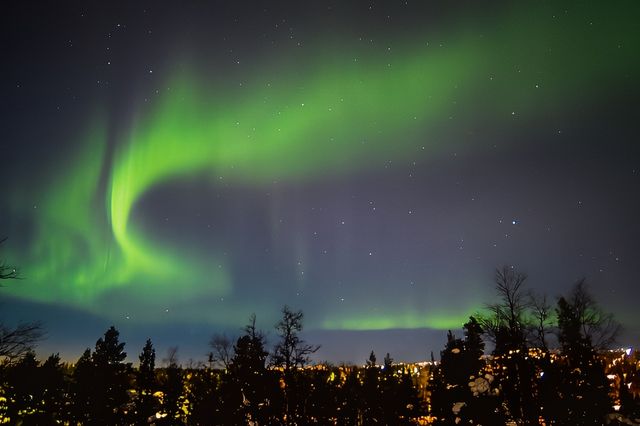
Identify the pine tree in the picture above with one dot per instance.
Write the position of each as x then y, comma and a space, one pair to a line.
473, 343
146, 384
250, 382
371, 396
53, 383
82, 389
389, 397
23, 389
111, 379
371, 362
460, 390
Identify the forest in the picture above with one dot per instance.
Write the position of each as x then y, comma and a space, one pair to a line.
548, 364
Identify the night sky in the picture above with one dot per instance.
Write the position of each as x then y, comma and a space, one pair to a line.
172, 167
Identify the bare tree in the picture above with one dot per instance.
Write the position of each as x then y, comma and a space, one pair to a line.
542, 319
7, 272
599, 328
171, 361
508, 326
291, 351
222, 350
506, 322
16, 342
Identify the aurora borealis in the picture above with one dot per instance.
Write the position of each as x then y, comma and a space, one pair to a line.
173, 169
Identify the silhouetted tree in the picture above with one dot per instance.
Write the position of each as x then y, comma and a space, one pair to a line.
599, 329
16, 346
473, 345
35, 393
52, 378
388, 385
448, 383
460, 387
289, 353
407, 404
171, 385
393, 397
371, 361
507, 325
455, 370
524, 383
146, 384
549, 373
388, 363
17, 341
222, 350
110, 379
250, 354
24, 391
250, 390
541, 321
371, 395
7, 272
82, 388
583, 387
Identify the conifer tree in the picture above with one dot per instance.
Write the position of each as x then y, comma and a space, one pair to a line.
110, 379
52, 377
82, 389
146, 383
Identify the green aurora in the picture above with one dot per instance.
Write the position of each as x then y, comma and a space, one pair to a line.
349, 111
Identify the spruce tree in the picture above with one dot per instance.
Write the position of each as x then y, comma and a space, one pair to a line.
111, 379
146, 383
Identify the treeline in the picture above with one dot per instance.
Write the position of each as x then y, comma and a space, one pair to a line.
547, 365
240, 384
524, 382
